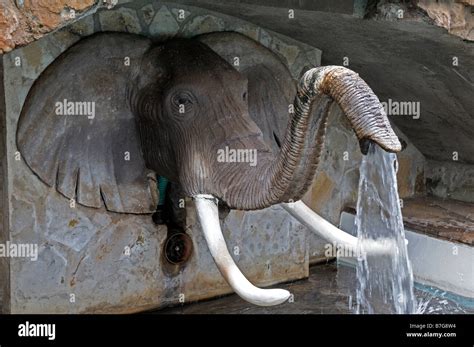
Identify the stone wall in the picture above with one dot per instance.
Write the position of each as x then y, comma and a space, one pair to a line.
81, 250
454, 15
22, 22
4, 261
450, 180
337, 6
82, 264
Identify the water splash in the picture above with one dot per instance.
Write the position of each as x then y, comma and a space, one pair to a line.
385, 282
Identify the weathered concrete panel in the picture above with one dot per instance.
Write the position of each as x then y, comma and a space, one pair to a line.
450, 179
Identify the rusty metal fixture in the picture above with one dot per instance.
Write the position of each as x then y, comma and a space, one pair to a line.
178, 248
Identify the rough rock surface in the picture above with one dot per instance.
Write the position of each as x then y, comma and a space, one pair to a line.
456, 16
22, 22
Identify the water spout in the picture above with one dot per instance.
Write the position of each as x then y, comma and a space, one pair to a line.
385, 281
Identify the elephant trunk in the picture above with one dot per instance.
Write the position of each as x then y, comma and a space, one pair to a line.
287, 177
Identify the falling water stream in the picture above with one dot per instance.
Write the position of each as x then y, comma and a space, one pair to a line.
385, 281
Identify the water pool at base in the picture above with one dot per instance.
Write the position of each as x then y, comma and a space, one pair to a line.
330, 289
430, 300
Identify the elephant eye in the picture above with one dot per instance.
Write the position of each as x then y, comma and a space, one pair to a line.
244, 96
182, 98
182, 102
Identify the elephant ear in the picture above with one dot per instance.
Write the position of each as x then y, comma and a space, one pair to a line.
271, 88
88, 150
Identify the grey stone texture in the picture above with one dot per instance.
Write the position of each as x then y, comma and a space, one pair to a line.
450, 179
4, 262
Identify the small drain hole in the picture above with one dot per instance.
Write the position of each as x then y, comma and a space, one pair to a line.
178, 248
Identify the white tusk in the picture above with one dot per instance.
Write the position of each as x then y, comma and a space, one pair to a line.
330, 233
208, 214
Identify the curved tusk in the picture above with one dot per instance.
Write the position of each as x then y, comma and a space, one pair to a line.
208, 214
332, 234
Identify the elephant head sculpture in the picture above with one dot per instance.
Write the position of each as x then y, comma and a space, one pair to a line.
115, 105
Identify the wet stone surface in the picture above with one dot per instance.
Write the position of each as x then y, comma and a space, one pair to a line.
330, 289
